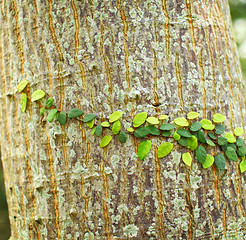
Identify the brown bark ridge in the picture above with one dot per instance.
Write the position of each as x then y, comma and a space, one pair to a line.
163, 57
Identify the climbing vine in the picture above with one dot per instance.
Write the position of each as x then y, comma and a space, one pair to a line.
188, 132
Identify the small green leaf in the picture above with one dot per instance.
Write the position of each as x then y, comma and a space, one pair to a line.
91, 123
139, 119
42, 110
167, 127
49, 102
218, 118
207, 124
184, 133
115, 116
164, 149
143, 149
153, 130
193, 115
201, 136
130, 129
183, 142
224, 148
192, 143
105, 141
240, 142
230, 137
231, 154
176, 136
201, 154
210, 142
105, 124
122, 137
219, 129
21, 86
62, 118
116, 127
196, 126
75, 112
238, 131
241, 151
88, 117
243, 166
93, 130
98, 130
141, 132
182, 122
208, 162
51, 115
23, 102
166, 133
187, 159
211, 135
163, 117
152, 120
220, 161
37, 95
222, 141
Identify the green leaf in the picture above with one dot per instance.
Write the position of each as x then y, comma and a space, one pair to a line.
116, 127
75, 112
243, 166
220, 161
105, 124
152, 120
93, 130
222, 141
201, 136
139, 119
88, 117
201, 154
105, 141
182, 122
230, 137
51, 115
21, 86
192, 143
211, 135
62, 118
196, 126
115, 116
241, 151
183, 142
210, 142
49, 102
37, 95
231, 154
187, 159
23, 102
164, 149
163, 117
238, 131
122, 137
91, 123
166, 133
98, 130
167, 127
208, 161
240, 142
219, 129
153, 130
141, 132
42, 110
224, 148
130, 129
143, 149
176, 136
184, 133
218, 118
207, 124
193, 115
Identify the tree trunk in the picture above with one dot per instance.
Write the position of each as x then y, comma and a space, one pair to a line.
162, 57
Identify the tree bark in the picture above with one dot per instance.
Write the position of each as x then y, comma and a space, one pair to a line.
163, 57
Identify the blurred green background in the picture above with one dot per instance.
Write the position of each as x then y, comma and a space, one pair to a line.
238, 12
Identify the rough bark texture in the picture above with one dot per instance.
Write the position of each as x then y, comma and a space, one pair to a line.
166, 57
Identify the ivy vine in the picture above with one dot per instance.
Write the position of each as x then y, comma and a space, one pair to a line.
188, 132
